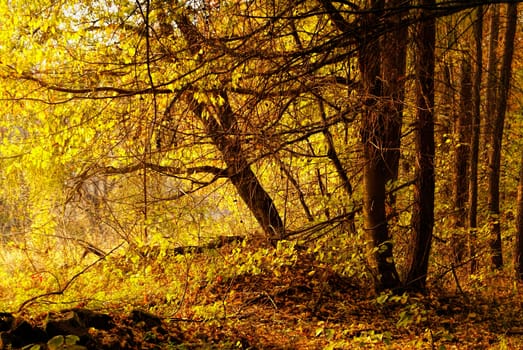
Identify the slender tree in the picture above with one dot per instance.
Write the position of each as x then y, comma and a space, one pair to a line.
518, 256
497, 136
475, 135
222, 126
461, 161
423, 209
492, 72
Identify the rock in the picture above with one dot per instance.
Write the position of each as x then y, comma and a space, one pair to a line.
5, 340
64, 323
77, 322
92, 319
82, 329
6, 321
22, 333
147, 319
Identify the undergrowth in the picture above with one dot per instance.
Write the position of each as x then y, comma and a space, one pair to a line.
247, 295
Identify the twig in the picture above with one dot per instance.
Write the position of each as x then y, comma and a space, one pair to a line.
270, 299
457, 282
62, 290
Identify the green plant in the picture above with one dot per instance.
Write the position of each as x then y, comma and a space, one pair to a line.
68, 342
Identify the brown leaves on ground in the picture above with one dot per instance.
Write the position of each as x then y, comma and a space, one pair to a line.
309, 306
304, 304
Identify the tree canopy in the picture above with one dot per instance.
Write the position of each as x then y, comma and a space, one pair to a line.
373, 128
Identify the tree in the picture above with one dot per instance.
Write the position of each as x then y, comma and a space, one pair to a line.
475, 135
497, 136
423, 209
380, 137
393, 71
462, 157
492, 72
222, 127
518, 254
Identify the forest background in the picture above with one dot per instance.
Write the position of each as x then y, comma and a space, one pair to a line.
156, 151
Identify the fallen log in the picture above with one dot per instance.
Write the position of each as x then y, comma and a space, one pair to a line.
219, 242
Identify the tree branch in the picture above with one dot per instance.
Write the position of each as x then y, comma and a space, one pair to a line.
165, 170
118, 91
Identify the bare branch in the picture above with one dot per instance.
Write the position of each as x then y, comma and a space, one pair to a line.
165, 170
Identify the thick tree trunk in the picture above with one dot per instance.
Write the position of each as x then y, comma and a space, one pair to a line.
375, 217
376, 134
259, 202
462, 159
382, 84
393, 66
423, 210
497, 136
475, 136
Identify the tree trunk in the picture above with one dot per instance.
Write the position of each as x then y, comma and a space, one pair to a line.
448, 111
497, 135
221, 124
462, 155
393, 66
376, 133
492, 72
259, 202
518, 256
475, 136
423, 209
225, 134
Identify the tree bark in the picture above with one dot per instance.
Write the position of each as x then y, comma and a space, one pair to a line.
423, 209
377, 129
382, 67
224, 131
448, 111
393, 66
475, 136
497, 136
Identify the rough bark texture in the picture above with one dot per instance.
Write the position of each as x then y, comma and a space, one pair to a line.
475, 136
497, 136
377, 127
382, 66
423, 209
393, 66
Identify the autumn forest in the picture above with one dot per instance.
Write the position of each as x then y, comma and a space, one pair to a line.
261, 174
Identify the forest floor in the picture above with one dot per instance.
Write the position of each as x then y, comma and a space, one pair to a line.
325, 311
306, 305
